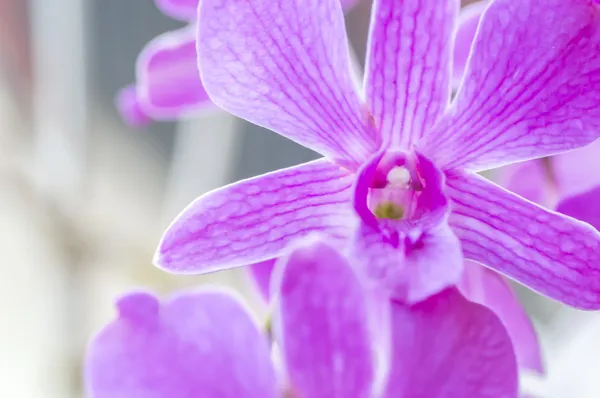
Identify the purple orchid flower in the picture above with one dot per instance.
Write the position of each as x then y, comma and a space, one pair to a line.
205, 344
168, 82
403, 159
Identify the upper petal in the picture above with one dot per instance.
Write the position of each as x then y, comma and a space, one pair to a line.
325, 334
448, 347
186, 10
407, 81
468, 21
553, 254
255, 219
195, 345
169, 84
488, 288
284, 65
530, 89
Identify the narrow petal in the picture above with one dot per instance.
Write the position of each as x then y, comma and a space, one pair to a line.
488, 288
323, 318
284, 65
186, 10
255, 219
553, 254
407, 82
128, 104
194, 345
169, 84
261, 273
583, 206
409, 270
468, 21
530, 89
448, 347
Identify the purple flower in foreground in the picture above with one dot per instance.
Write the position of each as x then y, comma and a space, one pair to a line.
530, 90
168, 82
205, 344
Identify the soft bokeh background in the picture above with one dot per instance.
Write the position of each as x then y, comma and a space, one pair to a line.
84, 198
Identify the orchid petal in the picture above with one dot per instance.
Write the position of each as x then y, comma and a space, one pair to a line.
529, 180
255, 219
488, 288
553, 254
408, 66
185, 10
169, 84
577, 171
129, 107
325, 333
410, 270
530, 89
448, 347
468, 21
194, 345
583, 206
284, 65
261, 273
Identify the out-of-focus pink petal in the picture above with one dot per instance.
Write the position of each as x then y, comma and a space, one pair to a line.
553, 254
347, 4
468, 20
577, 171
255, 219
528, 179
284, 65
323, 317
261, 273
407, 82
409, 270
488, 288
530, 89
448, 347
584, 206
195, 345
169, 84
186, 10
129, 107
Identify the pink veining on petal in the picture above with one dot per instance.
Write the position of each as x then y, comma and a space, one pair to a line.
285, 66
488, 288
448, 347
129, 107
468, 21
553, 254
407, 82
256, 219
530, 89
169, 85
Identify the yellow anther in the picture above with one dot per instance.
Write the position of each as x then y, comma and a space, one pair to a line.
389, 211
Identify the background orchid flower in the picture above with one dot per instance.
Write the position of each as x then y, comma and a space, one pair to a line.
408, 154
168, 83
206, 344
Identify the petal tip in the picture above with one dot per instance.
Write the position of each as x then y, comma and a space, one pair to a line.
129, 107
138, 307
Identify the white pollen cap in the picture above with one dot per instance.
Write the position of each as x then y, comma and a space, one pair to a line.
399, 176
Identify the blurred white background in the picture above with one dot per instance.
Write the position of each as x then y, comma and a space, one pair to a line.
84, 198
